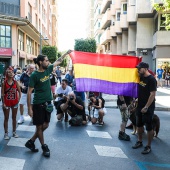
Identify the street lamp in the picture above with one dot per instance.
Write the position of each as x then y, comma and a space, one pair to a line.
41, 38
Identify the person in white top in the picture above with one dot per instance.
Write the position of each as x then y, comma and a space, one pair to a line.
61, 92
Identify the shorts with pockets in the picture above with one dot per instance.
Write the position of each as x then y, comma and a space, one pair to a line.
40, 115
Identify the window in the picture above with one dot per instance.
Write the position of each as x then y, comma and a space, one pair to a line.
36, 50
29, 12
36, 21
124, 8
108, 46
30, 45
20, 40
5, 36
162, 22
156, 24
118, 16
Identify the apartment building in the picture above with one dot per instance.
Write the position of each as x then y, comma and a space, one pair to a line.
25, 26
132, 27
90, 19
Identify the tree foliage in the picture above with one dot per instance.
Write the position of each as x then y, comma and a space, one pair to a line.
86, 45
165, 10
64, 62
50, 52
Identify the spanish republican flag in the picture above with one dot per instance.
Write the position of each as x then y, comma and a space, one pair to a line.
110, 74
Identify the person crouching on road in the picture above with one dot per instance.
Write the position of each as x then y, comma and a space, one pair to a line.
123, 102
62, 91
10, 94
74, 106
42, 107
97, 103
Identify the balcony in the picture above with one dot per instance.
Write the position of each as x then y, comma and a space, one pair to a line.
112, 9
97, 32
118, 30
131, 14
117, 4
9, 9
112, 31
106, 20
123, 21
105, 4
105, 37
97, 17
161, 38
144, 7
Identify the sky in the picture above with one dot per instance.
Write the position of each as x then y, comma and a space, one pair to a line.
72, 20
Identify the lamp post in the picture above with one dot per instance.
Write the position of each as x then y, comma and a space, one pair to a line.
41, 38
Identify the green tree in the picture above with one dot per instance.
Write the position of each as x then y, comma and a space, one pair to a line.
165, 10
64, 62
86, 45
50, 52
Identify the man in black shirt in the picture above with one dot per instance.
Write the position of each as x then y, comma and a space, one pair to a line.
146, 105
74, 106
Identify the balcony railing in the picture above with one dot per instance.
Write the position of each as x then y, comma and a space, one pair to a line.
161, 38
9, 9
105, 4
106, 19
105, 37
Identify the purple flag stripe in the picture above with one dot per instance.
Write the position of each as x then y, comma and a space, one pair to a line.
126, 89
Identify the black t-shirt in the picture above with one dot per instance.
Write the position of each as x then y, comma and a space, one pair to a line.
76, 111
52, 80
146, 85
127, 99
25, 80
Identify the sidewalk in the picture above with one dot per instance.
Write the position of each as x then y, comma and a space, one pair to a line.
162, 99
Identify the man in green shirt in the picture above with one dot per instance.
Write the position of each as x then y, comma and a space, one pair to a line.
42, 107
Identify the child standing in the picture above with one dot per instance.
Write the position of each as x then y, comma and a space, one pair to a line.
11, 94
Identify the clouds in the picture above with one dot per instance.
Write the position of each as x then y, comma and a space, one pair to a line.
72, 22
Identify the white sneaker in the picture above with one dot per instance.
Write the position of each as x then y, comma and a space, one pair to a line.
6, 137
15, 135
21, 120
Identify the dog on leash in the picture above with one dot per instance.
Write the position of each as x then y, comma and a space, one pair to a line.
132, 116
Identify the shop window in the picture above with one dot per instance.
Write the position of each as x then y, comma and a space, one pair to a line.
5, 36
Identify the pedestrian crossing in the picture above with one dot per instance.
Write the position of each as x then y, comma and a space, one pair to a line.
18, 164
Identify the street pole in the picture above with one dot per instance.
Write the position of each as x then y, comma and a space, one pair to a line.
40, 44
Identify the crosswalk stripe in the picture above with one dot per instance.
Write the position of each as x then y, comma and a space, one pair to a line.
110, 151
26, 128
11, 163
98, 134
19, 142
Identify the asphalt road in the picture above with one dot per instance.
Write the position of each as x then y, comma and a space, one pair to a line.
90, 147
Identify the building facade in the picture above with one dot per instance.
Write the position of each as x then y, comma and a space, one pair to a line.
132, 27
24, 25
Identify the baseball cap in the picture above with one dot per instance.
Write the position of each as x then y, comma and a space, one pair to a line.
142, 65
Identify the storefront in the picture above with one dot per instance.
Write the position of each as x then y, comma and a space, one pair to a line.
5, 56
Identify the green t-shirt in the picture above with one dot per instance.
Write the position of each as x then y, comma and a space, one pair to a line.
40, 81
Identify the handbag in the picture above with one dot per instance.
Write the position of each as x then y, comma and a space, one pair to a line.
49, 108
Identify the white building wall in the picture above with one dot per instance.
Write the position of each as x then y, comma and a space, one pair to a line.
144, 33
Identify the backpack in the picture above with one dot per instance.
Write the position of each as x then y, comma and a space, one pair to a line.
76, 120
103, 101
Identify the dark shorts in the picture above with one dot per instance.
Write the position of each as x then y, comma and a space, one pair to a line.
40, 115
145, 119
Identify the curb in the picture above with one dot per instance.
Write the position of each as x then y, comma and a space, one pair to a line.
156, 108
